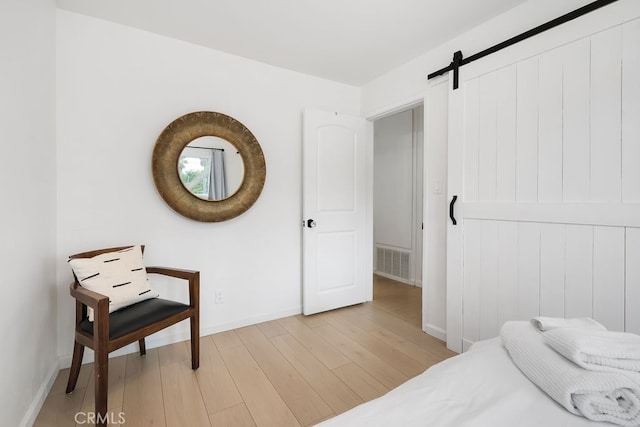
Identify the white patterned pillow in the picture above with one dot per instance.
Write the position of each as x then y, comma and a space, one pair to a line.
120, 275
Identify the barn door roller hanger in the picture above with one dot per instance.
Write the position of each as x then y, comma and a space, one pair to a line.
458, 59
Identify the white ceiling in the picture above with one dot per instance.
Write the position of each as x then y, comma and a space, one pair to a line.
350, 41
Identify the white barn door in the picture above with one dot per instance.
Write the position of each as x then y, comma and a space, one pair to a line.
337, 210
544, 158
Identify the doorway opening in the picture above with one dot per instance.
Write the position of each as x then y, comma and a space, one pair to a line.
398, 203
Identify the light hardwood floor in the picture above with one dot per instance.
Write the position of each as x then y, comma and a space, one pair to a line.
288, 372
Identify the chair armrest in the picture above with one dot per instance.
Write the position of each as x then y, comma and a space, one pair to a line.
100, 305
192, 276
85, 296
173, 272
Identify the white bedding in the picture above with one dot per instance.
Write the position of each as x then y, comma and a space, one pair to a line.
481, 387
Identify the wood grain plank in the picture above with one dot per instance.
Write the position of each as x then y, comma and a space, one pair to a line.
307, 406
60, 383
392, 355
183, 403
361, 382
59, 409
271, 328
311, 321
260, 396
143, 402
117, 373
235, 416
361, 317
371, 363
428, 357
336, 393
318, 346
402, 329
228, 339
218, 390
399, 299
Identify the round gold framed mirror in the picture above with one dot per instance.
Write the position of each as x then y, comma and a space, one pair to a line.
189, 181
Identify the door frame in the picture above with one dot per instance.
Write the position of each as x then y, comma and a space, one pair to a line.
391, 110
430, 260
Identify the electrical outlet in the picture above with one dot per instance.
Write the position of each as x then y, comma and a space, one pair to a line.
219, 296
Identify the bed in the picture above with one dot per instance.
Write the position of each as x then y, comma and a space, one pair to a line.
481, 387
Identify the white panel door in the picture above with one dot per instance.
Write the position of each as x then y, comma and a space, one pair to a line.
543, 154
337, 201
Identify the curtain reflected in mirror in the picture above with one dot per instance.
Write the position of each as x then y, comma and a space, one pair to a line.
211, 168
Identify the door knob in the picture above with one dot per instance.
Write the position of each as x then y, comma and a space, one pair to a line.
311, 223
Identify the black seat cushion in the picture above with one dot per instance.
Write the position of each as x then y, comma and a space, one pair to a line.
137, 316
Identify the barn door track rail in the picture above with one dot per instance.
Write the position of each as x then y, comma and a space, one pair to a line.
459, 60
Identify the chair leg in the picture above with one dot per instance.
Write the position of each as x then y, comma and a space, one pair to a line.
101, 368
143, 347
76, 364
195, 342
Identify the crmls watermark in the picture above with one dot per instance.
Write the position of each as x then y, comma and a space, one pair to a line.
93, 418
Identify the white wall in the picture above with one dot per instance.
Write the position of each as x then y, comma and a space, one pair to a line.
29, 360
118, 87
406, 84
393, 181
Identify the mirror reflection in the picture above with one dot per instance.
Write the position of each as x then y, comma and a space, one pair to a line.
211, 168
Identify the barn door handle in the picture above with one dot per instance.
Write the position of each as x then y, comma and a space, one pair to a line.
453, 202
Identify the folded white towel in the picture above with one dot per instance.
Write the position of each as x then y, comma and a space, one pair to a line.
547, 323
598, 350
598, 396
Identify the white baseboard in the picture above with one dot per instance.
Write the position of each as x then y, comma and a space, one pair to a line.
397, 279
434, 331
38, 400
171, 338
